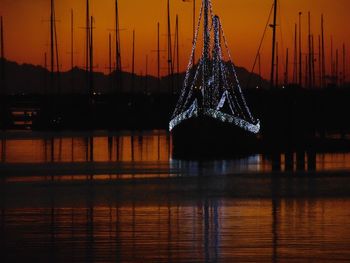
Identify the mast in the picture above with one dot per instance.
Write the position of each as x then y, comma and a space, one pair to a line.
133, 60
87, 47
295, 63
110, 53
87, 35
206, 38
306, 70
110, 60
2, 54
273, 44
194, 29
170, 62
56, 43
277, 65
91, 56
158, 56
72, 48
310, 55
287, 68
146, 75
319, 61
117, 39
323, 53
45, 75
332, 59
53, 44
176, 51
52, 41
300, 54
72, 39
337, 67
313, 60
344, 65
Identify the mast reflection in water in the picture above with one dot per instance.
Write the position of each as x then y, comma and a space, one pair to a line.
121, 198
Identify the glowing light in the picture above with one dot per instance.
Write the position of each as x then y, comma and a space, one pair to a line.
219, 82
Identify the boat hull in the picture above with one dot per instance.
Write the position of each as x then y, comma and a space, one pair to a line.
204, 137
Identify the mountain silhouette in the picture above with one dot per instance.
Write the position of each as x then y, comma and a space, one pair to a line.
31, 79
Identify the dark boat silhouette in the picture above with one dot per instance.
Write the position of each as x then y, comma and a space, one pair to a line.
211, 117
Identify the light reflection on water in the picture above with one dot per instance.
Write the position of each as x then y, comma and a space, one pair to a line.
145, 154
122, 198
177, 230
154, 146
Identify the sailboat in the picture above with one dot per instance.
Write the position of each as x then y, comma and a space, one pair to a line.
211, 117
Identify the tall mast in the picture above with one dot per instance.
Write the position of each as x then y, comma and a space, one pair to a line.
110, 53
133, 60
87, 35
310, 55
56, 43
313, 60
176, 50
295, 63
146, 75
337, 67
170, 62
45, 76
72, 39
287, 68
319, 61
158, 56
273, 44
277, 65
323, 53
300, 54
206, 38
91, 55
117, 39
2, 54
306, 70
332, 59
52, 40
72, 48
344, 65
194, 29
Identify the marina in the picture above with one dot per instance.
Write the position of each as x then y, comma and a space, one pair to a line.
174, 131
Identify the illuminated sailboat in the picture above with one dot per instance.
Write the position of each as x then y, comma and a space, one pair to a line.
211, 113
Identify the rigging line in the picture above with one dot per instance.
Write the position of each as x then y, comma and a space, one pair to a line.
189, 66
260, 45
223, 67
239, 89
190, 93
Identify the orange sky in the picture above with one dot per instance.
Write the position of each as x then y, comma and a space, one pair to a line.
27, 28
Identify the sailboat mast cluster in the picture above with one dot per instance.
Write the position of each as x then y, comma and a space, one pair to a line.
304, 66
310, 68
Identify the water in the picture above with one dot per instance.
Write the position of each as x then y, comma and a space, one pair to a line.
122, 198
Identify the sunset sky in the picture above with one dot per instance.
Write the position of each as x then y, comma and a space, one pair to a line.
27, 28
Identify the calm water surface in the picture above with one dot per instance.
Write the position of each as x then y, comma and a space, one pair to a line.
122, 198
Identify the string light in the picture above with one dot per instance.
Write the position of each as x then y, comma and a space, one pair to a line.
216, 88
